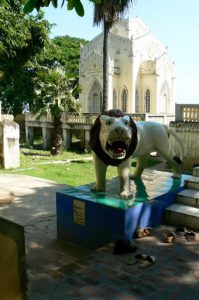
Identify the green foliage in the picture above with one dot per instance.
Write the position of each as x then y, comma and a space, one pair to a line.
72, 4
18, 91
110, 11
63, 51
53, 93
21, 38
54, 96
16, 75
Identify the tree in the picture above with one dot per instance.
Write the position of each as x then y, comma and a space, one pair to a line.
21, 38
53, 96
108, 13
63, 51
71, 4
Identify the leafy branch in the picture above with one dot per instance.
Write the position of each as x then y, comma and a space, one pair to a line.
30, 5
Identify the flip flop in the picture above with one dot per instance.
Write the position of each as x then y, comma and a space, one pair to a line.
147, 262
180, 231
190, 236
143, 232
170, 237
138, 258
124, 246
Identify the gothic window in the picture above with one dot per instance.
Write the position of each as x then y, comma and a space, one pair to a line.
114, 99
116, 67
96, 103
94, 98
124, 100
137, 106
163, 107
147, 101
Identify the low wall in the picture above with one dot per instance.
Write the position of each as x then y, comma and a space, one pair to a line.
9, 144
189, 134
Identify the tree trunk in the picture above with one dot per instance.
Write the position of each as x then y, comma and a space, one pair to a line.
105, 68
57, 135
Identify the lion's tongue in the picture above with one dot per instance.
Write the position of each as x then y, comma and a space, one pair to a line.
118, 147
118, 150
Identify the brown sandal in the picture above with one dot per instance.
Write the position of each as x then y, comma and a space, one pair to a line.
142, 232
170, 237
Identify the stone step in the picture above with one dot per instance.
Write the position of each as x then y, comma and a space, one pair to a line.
182, 215
196, 171
189, 197
192, 183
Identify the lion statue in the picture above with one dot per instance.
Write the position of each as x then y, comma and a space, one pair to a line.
115, 139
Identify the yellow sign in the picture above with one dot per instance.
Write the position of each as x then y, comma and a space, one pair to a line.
79, 212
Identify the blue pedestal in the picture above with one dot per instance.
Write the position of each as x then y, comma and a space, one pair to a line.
92, 220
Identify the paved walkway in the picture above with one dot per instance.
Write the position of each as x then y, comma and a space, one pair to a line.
65, 272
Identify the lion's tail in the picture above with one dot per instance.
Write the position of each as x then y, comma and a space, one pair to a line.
176, 136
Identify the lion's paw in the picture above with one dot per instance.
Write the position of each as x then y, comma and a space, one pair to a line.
176, 175
134, 176
95, 188
126, 195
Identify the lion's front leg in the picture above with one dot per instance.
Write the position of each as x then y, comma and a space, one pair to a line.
123, 173
140, 165
100, 173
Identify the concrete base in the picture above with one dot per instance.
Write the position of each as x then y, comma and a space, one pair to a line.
92, 219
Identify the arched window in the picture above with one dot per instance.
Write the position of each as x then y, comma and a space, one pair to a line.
114, 99
96, 103
163, 103
94, 98
147, 101
137, 100
124, 100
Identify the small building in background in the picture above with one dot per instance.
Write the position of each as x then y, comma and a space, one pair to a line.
141, 73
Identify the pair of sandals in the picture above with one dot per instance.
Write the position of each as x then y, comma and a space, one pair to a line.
142, 261
180, 232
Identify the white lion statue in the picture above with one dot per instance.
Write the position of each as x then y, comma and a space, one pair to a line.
116, 139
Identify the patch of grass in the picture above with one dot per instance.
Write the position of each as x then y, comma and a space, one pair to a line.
73, 174
40, 163
29, 157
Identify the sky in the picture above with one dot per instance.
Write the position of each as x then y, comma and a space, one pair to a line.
174, 22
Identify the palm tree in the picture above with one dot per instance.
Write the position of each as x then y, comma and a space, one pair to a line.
108, 13
53, 96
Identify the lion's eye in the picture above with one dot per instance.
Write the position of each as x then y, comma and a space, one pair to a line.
126, 122
108, 123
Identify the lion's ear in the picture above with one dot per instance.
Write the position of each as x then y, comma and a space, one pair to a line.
127, 117
104, 118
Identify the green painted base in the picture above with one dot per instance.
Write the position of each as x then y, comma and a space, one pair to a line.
152, 185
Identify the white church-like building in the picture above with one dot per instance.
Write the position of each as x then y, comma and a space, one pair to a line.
141, 73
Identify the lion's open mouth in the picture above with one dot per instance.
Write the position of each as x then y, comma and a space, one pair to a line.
117, 149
